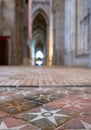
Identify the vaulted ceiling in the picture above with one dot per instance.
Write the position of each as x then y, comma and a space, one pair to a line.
39, 23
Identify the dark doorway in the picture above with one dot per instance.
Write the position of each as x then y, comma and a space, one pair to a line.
3, 52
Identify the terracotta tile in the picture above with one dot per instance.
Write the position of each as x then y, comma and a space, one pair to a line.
2, 114
12, 123
71, 104
88, 112
81, 122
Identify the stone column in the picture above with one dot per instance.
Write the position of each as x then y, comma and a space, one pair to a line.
73, 31
30, 30
47, 47
69, 32
50, 46
89, 4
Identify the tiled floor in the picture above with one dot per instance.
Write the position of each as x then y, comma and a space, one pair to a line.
44, 76
56, 98
47, 108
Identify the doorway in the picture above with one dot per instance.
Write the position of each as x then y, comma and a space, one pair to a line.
3, 52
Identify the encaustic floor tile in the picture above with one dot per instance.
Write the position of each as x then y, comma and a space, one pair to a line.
46, 118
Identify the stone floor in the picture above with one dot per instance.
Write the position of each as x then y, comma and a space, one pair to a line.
45, 98
44, 76
45, 108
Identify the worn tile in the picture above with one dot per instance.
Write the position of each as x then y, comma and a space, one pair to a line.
46, 118
16, 124
72, 104
88, 112
79, 123
17, 106
44, 98
3, 114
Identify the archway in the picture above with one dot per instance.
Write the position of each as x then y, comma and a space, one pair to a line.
3, 52
39, 40
39, 54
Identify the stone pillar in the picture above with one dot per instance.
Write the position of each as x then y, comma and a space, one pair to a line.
69, 32
89, 3
50, 46
47, 47
59, 27
73, 31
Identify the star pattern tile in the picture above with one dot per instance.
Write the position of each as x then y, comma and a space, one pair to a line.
44, 98
85, 96
50, 115
79, 104
45, 109
24, 93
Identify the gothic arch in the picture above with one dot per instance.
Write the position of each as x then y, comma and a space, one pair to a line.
42, 12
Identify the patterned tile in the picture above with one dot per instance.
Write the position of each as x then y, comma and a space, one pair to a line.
79, 123
46, 107
46, 118
12, 123
17, 106
72, 103
44, 98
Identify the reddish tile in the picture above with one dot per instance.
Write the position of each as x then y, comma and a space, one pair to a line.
74, 104
88, 112
12, 123
82, 122
2, 114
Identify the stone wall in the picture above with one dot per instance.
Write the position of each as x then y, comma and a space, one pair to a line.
12, 24
82, 49
7, 24
19, 31
7, 13
72, 32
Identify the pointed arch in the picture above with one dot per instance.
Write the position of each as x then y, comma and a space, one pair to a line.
41, 11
